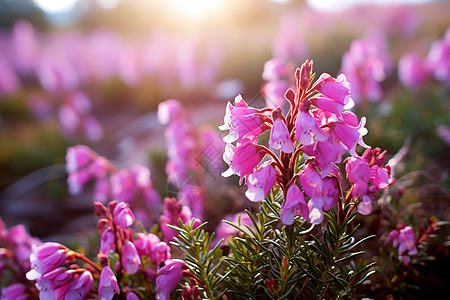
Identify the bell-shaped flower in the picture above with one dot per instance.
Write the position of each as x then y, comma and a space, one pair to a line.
123, 216
108, 284
330, 191
145, 242
260, 182
107, 241
131, 260
80, 286
295, 204
60, 279
46, 258
160, 252
357, 169
312, 184
280, 138
326, 154
407, 241
350, 132
168, 278
336, 89
327, 104
242, 159
308, 129
242, 121
365, 206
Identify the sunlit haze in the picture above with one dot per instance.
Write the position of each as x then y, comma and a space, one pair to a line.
55, 6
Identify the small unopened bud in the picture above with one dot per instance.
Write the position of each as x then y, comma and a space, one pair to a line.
305, 75
112, 205
101, 225
284, 264
100, 209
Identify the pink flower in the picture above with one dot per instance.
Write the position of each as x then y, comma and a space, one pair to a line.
145, 242
168, 278
131, 260
405, 240
274, 69
326, 154
338, 90
107, 241
173, 210
295, 203
78, 157
160, 252
349, 132
242, 159
123, 216
108, 284
308, 129
80, 286
242, 121
60, 279
312, 185
280, 138
76, 180
438, 58
46, 258
412, 70
260, 183
366, 65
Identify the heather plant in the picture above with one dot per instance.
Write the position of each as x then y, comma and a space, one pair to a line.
300, 238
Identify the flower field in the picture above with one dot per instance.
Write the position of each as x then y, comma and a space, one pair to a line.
256, 150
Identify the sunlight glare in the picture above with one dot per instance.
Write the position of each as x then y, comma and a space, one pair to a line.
108, 4
195, 7
55, 6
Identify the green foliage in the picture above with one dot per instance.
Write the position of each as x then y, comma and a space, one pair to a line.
203, 261
268, 259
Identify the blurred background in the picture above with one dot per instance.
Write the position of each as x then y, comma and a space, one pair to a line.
93, 72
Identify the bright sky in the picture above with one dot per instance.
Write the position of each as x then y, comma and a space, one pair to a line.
201, 6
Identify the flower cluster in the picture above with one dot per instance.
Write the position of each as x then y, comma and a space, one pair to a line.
366, 65
16, 246
192, 154
53, 280
413, 71
405, 239
317, 124
130, 185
